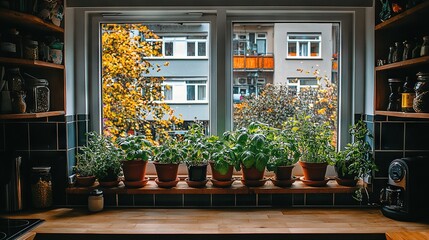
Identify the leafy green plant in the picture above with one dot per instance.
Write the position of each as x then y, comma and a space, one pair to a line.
135, 147
220, 154
196, 145
100, 157
284, 150
249, 145
357, 159
314, 139
170, 151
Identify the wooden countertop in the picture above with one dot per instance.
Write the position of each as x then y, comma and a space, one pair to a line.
132, 221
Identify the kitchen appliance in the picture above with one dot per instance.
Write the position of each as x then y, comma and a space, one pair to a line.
13, 228
404, 196
10, 186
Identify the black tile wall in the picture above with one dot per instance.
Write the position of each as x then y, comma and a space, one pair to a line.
71, 160
383, 159
377, 136
43, 136
283, 200
264, 200
417, 136
223, 200
344, 199
392, 136
110, 200
299, 199
169, 200
144, 200
197, 200
82, 129
125, 200
62, 136
245, 200
2, 137
319, 199
71, 135
16, 136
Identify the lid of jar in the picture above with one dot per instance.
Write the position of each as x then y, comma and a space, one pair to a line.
31, 42
392, 80
96, 192
41, 169
37, 81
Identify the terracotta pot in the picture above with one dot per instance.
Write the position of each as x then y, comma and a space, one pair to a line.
314, 171
85, 181
284, 172
197, 173
134, 170
222, 177
166, 172
252, 173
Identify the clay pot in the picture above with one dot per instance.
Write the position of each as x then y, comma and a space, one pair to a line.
284, 172
252, 173
197, 173
313, 171
134, 170
222, 177
166, 172
85, 181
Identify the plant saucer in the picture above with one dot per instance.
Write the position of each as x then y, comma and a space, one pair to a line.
222, 184
168, 184
314, 183
109, 184
196, 184
136, 184
346, 182
283, 183
254, 183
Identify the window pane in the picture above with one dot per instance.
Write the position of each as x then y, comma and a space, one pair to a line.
168, 92
191, 48
168, 49
308, 82
202, 49
303, 49
315, 49
190, 92
202, 95
292, 49
261, 44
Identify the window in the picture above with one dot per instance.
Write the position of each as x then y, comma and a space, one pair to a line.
296, 84
304, 45
250, 43
182, 46
196, 90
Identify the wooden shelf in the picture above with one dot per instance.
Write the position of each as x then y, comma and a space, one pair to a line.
402, 114
30, 63
404, 17
404, 64
236, 188
31, 115
28, 20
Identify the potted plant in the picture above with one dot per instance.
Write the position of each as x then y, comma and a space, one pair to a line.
197, 155
317, 151
98, 159
250, 151
356, 160
167, 157
221, 162
284, 153
136, 151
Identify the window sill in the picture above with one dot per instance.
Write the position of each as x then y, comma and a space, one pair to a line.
302, 58
236, 188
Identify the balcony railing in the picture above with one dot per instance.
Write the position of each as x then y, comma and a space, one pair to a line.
261, 63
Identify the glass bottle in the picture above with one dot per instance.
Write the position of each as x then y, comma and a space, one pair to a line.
421, 101
394, 85
408, 50
416, 49
391, 52
41, 187
11, 44
397, 53
408, 95
424, 51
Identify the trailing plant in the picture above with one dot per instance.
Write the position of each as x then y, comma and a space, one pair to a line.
100, 157
171, 151
284, 149
250, 145
135, 147
314, 139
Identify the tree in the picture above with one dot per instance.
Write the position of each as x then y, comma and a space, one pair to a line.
132, 99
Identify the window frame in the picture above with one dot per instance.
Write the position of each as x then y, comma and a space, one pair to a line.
298, 46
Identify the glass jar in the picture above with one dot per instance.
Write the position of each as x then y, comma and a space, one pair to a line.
95, 201
31, 50
15, 80
421, 101
38, 95
408, 95
41, 187
394, 97
424, 51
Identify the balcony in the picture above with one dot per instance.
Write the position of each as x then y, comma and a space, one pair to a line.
260, 63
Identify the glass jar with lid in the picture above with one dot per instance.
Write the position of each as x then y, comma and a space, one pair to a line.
38, 94
421, 101
41, 187
31, 49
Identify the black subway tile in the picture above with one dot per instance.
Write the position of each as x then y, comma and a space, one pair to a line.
169, 200
417, 136
144, 200
82, 129
197, 200
77, 199
319, 199
380, 118
377, 135
125, 200
282, 200
369, 118
246, 200
345, 199
71, 160
43, 136
264, 199
2, 137
62, 136
16, 136
392, 136
223, 200
71, 135
298, 199
110, 200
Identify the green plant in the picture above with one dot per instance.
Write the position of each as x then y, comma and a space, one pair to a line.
314, 139
196, 145
284, 150
249, 145
357, 159
170, 151
135, 147
100, 157
220, 154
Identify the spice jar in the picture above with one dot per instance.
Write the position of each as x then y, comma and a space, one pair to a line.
31, 50
421, 101
38, 95
95, 201
41, 187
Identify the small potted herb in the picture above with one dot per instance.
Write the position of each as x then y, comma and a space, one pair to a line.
136, 151
221, 162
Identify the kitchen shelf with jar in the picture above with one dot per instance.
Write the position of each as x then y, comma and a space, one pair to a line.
49, 76
405, 28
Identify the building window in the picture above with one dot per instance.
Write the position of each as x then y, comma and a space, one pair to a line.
250, 43
182, 46
196, 90
296, 84
304, 45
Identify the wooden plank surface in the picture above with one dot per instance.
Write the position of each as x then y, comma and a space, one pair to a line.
408, 235
219, 221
